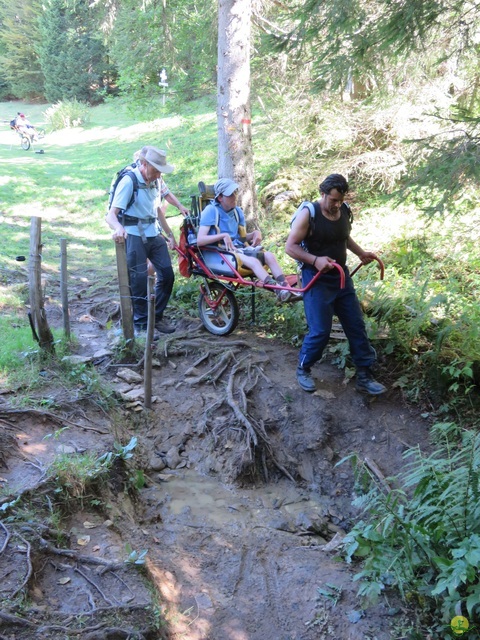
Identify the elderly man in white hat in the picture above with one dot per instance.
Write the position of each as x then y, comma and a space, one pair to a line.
138, 226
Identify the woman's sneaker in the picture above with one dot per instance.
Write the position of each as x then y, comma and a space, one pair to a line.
282, 295
288, 296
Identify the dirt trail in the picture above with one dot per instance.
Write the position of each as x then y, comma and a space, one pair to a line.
238, 548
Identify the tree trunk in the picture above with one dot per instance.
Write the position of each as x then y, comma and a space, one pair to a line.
235, 153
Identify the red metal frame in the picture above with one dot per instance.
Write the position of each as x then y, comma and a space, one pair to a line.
381, 266
198, 267
194, 257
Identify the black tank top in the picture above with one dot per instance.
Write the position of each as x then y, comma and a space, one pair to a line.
329, 237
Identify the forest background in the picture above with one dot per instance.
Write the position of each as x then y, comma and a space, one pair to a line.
386, 93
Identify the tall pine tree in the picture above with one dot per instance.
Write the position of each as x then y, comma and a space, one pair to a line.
20, 75
72, 54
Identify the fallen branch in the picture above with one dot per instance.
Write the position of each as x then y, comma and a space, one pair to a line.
7, 538
376, 471
74, 555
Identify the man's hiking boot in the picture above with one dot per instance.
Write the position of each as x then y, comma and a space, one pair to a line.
164, 327
141, 334
305, 380
366, 383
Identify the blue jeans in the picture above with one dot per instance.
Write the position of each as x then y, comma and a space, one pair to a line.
156, 250
321, 302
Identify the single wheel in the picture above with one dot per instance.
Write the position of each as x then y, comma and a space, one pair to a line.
25, 143
218, 309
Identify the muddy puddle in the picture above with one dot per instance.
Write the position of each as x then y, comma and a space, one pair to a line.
248, 563
187, 498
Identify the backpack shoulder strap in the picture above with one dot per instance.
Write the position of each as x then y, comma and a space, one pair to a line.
306, 204
131, 174
347, 209
217, 216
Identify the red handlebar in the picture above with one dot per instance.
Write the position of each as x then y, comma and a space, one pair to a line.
381, 266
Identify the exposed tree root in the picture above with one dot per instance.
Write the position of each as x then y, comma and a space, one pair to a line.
74, 555
29, 567
61, 621
94, 632
58, 420
236, 363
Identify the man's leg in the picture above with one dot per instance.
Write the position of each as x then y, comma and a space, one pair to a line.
160, 258
349, 312
318, 303
137, 273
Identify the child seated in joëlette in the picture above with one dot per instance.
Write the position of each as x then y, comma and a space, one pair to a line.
223, 223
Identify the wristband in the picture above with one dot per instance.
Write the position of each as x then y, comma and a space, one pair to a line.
314, 262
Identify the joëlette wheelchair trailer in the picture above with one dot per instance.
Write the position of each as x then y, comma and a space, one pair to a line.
27, 139
217, 304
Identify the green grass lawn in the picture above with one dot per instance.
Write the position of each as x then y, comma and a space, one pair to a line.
67, 185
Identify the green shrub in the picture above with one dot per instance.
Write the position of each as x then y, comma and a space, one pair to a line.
423, 538
67, 114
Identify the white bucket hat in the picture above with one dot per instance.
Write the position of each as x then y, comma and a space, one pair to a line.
158, 159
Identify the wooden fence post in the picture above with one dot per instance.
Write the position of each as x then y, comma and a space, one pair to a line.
64, 287
147, 367
125, 295
38, 318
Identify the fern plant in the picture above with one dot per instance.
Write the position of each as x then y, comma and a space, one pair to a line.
423, 538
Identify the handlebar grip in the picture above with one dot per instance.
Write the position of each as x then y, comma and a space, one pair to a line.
342, 275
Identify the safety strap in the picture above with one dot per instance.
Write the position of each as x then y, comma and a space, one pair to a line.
132, 221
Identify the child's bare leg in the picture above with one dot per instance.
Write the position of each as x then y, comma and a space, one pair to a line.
256, 266
275, 268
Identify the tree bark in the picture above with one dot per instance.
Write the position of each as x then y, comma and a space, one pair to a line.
235, 153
